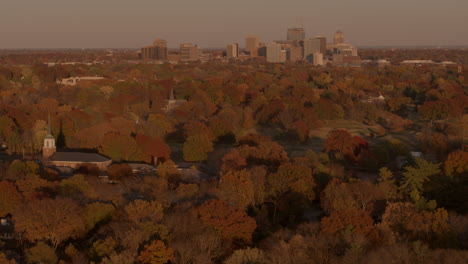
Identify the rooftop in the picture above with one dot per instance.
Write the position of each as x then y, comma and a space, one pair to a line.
78, 157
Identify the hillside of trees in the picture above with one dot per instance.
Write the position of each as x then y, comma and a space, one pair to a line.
300, 164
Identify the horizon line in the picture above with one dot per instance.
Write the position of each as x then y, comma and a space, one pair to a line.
137, 48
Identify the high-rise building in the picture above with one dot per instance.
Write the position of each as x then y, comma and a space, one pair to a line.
345, 49
295, 53
232, 51
338, 38
274, 53
295, 34
323, 44
317, 59
160, 43
311, 46
188, 51
158, 51
251, 45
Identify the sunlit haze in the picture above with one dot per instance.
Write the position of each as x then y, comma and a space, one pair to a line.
214, 23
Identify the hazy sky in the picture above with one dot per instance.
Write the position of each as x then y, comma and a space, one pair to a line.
215, 23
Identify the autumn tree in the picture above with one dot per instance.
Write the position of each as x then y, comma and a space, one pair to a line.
5, 260
51, 220
230, 222
140, 211
405, 219
120, 147
456, 164
248, 255
260, 150
198, 128
156, 148
386, 183
10, 198
347, 221
233, 161
292, 177
236, 187
340, 141
119, 172
156, 253
41, 253
168, 171
361, 195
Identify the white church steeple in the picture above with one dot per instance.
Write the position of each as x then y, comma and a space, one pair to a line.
49, 143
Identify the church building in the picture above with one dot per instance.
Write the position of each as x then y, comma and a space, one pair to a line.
70, 159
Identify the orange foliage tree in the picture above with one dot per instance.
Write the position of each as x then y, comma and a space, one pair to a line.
10, 198
52, 220
230, 222
156, 253
347, 221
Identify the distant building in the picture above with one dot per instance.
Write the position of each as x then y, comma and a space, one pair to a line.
232, 51
188, 51
274, 53
262, 51
311, 46
317, 59
382, 63
338, 38
69, 159
323, 44
7, 229
251, 45
345, 49
72, 81
417, 62
295, 53
295, 34
158, 51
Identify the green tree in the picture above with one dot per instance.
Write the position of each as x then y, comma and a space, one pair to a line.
76, 185
97, 212
197, 147
415, 176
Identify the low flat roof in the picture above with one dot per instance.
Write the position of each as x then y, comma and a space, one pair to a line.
78, 157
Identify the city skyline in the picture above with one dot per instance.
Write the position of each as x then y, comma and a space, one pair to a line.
212, 24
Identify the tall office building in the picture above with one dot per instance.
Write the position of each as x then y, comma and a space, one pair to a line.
274, 53
232, 51
338, 38
311, 46
317, 59
295, 53
158, 51
160, 43
251, 45
323, 44
295, 34
188, 51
